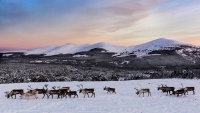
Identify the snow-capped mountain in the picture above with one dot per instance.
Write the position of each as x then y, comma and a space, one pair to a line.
157, 44
139, 50
65, 49
72, 48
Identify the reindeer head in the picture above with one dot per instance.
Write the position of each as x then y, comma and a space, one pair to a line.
46, 86
137, 91
104, 88
7, 94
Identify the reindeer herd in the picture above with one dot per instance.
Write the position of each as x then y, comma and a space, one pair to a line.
66, 91
181, 91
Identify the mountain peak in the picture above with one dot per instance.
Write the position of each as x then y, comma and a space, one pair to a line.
165, 40
156, 44
102, 44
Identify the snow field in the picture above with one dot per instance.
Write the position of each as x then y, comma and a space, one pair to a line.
125, 101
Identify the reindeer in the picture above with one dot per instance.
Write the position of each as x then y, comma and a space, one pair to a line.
70, 93
109, 89
63, 91
40, 91
179, 92
29, 94
187, 89
166, 89
142, 91
52, 92
14, 92
86, 91
162, 88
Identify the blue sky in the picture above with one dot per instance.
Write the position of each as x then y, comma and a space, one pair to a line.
26, 24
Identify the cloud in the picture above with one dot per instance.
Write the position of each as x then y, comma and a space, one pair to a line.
117, 12
130, 12
121, 14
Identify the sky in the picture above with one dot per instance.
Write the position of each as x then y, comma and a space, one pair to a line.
27, 24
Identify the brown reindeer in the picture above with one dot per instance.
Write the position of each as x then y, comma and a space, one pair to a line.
63, 91
14, 92
70, 93
162, 88
166, 89
179, 92
52, 92
86, 91
109, 90
30, 94
142, 91
40, 91
187, 89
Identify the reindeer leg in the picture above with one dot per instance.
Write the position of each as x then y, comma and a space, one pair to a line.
48, 95
43, 95
84, 95
58, 96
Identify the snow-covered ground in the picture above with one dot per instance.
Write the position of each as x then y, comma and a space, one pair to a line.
125, 101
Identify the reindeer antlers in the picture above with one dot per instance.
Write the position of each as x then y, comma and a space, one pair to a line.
30, 86
6, 92
81, 85
54, 87
182, 85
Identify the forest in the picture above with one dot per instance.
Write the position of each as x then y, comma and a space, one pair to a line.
24, 73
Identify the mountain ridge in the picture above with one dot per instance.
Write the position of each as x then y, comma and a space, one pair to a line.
157, 44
